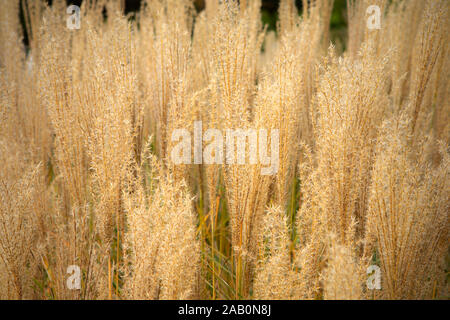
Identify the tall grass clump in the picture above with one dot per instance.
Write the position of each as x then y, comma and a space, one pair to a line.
90, 189
408, 214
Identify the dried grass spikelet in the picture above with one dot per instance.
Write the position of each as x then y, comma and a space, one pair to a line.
91, 98
429, 44
237, 42
12, 52
236, 45
74, 242
278, 104
439, 94
358, 32
306, 38
318, 13
275, 277
335, 180
165, 41
247, 193
282, 102
21, 214
57, 91
202, 48
110, 142
113, 141
402, 40
350, 101
7, 115
408, 214
343, 277
27, 120
161, 241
